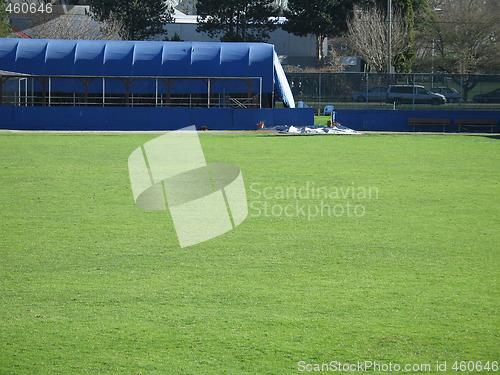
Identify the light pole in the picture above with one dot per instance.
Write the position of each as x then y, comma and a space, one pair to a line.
433, 53
389, 32
432, 62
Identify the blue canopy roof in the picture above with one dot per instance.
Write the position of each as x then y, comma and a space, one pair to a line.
138, 58
147, 58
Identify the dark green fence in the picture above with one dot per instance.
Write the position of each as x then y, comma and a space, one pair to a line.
369, 90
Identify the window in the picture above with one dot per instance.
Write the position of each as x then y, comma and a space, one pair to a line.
402, 90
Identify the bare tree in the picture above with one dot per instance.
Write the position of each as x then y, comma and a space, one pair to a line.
187, 6
76, 27
63, 24
367, 35
460, 37
463, 34
69, 22
332, 63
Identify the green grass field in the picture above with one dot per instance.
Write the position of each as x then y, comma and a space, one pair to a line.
91, 284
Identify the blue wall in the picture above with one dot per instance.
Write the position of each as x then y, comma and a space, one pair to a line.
152, 118
390, 120
147, 118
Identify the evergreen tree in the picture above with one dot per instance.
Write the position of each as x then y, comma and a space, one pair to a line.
237, 20
5, 28
141, 20
404, 60
318, 17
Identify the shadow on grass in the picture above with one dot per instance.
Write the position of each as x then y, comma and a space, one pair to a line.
492, 136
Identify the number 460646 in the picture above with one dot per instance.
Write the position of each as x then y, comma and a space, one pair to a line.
25, 8
475, 366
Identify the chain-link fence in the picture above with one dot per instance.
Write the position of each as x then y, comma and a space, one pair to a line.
395, 91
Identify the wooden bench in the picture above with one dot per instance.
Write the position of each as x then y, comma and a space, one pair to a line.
444, 122
468, 122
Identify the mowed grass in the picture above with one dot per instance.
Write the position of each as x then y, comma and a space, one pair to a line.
91, 284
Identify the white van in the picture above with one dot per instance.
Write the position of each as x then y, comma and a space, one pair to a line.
409, 94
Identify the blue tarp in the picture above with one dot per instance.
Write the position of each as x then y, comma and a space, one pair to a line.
146, 58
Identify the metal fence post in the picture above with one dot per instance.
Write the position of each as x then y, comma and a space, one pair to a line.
414, 90
319, 93
260, 92
461, 89
208, 92
367, 87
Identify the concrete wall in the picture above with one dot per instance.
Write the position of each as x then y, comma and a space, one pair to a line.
147, 118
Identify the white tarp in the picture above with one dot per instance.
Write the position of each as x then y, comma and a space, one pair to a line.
317, 129
282, 83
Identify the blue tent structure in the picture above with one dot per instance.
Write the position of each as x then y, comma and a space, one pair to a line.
136, 59
133, 85
95, 77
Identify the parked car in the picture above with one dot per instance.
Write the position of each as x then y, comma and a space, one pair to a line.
489, 97
375, 94
449, 93
408, 94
